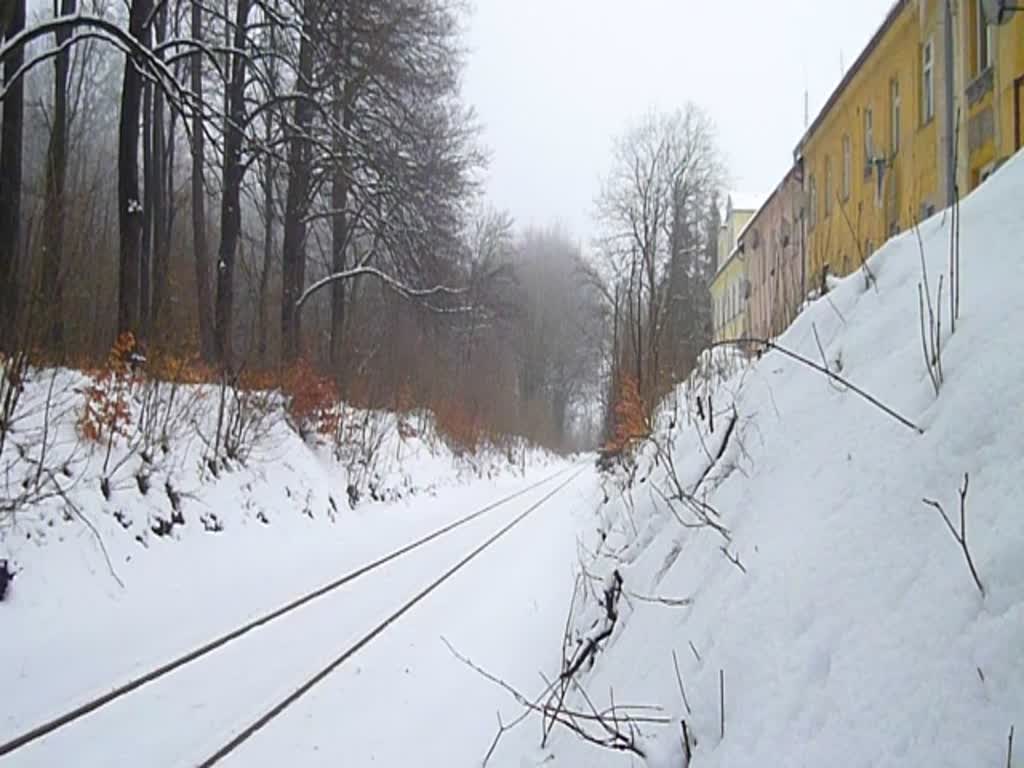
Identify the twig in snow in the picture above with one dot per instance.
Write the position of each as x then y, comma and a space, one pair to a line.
694, 649
721, 702
768, 344
672, 602
734, 559
933, 344
608, 736
824, 359
1009, 750
88, 524
686, 744
679, 679
961, 536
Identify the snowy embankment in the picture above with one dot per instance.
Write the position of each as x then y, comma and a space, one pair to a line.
125, 558
836, 606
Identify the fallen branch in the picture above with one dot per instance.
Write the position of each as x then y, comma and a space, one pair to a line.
734, 559
721, 702
679, 679
574, 720
767, 344
961, 536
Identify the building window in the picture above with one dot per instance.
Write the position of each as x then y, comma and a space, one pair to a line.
895, 114
869, 139
847, 166
927, 82
828, 186
812, 200
984, 39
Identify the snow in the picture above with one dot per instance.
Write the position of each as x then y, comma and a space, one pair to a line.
856, 635
73, 629
839, 611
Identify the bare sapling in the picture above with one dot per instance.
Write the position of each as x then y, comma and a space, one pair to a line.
960, 535
931, 320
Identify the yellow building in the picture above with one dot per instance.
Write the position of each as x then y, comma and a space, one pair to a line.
737, 216
989, 76
730, 289
729, 299
877, 157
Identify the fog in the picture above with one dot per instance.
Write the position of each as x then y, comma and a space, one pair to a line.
553, 82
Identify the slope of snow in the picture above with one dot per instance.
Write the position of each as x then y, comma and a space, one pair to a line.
112, 580
853, 634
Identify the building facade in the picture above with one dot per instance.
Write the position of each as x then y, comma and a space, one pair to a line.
730, 289
879, 156
772, 245
989, 77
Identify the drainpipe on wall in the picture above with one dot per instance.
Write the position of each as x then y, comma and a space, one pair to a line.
949, 149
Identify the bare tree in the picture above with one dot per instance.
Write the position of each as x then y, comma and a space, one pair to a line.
656, 210
12, 21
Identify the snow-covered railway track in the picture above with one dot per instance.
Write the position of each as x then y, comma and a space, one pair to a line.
97, 703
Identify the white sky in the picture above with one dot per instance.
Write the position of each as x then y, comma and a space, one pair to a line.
554, 81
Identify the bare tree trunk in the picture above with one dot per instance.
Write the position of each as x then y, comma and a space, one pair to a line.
51, 276
128, 204
161, 244
293, 257
230, 210
339, 234
268, 245
10, 189
148, 206
199, 242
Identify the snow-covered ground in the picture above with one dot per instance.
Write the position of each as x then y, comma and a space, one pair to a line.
854, 633
211, 545
804, 571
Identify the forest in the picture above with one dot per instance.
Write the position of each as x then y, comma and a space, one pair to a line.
245, 188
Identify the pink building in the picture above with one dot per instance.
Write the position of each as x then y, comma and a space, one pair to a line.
772, 245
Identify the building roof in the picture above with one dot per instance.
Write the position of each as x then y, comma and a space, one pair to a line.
876, 39
757, 214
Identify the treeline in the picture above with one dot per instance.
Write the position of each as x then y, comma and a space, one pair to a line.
245, 184
659, 214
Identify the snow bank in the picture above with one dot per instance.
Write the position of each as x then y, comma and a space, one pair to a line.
127, 554
168, 477
837, 607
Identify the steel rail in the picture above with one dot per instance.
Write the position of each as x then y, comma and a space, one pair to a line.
303, 689
54, 724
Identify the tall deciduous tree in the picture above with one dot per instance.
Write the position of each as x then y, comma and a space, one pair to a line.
11, 139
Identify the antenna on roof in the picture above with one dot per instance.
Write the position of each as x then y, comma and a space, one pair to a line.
807, 108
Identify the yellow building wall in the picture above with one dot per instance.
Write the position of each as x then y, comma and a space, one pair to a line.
846, 229
991, 122
730, 305
1009, 85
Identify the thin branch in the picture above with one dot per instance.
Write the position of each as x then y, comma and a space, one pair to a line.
749, 341
679, 679
961, 536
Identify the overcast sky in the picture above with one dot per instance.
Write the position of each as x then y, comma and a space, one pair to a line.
554, 81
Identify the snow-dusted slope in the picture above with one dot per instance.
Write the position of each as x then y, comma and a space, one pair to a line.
126, 560
854, 634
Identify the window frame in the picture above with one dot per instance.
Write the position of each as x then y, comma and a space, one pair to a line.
812, 201
895, 115
927, 81
869, 137
983, 58
828, 186
847, 166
